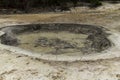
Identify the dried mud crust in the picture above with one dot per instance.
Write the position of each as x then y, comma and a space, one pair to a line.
96, 40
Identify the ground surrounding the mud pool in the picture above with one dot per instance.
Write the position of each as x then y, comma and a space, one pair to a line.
19, 67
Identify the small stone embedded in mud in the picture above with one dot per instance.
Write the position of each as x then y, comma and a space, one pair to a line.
99, 42
9, 40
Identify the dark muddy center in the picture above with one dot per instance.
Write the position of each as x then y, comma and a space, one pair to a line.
57, 38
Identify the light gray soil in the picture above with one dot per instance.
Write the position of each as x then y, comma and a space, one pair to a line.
21, 67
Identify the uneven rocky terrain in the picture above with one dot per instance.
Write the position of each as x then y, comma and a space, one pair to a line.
21, 67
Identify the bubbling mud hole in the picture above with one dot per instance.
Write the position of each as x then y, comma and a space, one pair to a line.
57, 38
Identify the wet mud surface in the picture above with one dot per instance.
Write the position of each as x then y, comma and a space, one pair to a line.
57, 38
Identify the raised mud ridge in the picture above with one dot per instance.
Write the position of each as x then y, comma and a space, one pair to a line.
96, 40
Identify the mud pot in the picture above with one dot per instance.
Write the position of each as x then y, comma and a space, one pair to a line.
57, 38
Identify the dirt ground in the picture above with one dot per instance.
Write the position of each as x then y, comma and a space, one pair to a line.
20, 67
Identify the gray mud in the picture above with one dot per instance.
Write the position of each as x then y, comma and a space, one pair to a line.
95, 39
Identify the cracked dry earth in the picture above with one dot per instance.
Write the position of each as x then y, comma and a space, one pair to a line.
21, 67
